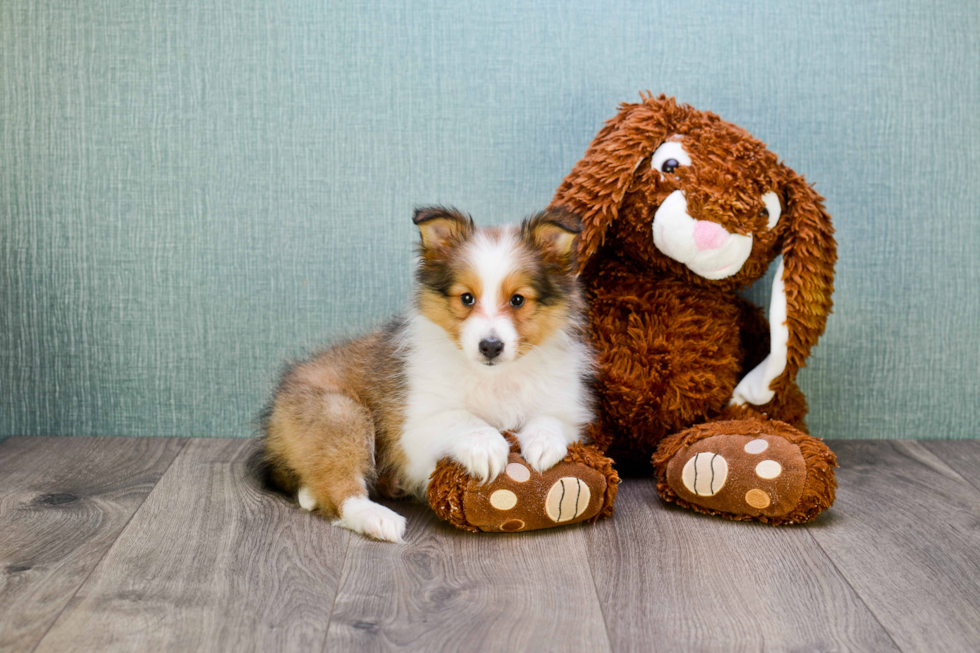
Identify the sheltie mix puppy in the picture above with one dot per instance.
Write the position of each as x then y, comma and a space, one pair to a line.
492, 342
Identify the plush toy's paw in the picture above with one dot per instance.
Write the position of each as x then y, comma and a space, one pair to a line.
580, 488
747, 469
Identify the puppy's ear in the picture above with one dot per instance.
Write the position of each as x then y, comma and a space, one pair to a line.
554, 233
596, 185
441, 227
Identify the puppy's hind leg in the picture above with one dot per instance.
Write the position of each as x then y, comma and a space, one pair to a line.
361, 515
326, 440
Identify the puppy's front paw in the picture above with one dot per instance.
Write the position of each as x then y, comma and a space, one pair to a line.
483, 454
542, 446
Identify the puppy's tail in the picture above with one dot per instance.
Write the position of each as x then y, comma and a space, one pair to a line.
264, 472
277, 475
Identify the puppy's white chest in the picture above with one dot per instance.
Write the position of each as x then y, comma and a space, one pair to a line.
503, 401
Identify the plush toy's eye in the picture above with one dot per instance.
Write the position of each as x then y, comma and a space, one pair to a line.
467, 299
669, 157
517, 301
773, 210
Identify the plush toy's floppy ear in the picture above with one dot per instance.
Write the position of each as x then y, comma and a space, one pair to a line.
800, 293
595, 187
809, 255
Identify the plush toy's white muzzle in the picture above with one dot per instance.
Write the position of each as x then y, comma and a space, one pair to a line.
705, 247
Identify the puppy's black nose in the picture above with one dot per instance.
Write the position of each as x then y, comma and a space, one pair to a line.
491, 348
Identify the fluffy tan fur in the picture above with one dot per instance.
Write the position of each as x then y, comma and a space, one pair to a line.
334, 423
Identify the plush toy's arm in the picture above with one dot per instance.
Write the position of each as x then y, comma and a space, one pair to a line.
756, 386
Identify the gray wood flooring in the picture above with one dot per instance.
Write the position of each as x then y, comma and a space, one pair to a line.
127, 544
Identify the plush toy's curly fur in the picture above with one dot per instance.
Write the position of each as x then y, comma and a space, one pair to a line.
671, 344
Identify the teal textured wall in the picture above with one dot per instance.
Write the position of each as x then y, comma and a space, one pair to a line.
193, 191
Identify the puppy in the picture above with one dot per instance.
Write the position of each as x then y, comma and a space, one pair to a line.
493, 342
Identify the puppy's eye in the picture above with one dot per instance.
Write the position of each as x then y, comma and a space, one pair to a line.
467, 299
517, 301
669, 157
765, 213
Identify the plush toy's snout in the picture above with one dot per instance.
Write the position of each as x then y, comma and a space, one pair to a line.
706, 248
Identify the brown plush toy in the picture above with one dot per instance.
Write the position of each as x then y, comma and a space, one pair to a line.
681, 210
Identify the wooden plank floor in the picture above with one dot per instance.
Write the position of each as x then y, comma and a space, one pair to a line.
63, 503
124, 544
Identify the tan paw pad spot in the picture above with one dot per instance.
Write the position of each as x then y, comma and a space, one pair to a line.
503, 499
705, 473
756, 446
512, 525
518, 472
768, 469
757, 499
568, 498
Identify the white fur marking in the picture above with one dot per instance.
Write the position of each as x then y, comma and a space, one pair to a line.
364, 516
306, 499
754, 386
493, 260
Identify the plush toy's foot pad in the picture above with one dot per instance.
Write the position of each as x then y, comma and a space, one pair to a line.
747, 469
580, 488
